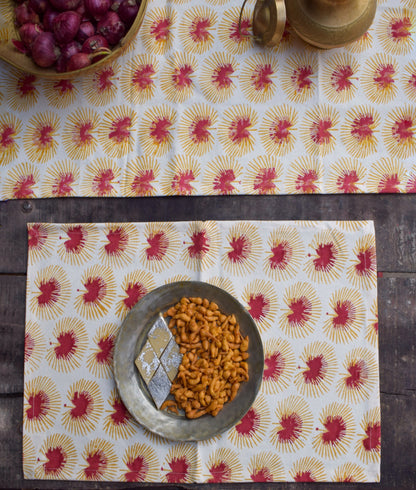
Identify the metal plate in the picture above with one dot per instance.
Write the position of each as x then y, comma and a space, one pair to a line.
133, 390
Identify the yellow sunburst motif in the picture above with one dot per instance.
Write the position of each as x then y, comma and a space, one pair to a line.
241, 250
305, 176
263, 176
140, 177
349, 473
39, 140
21, 182
134, 286
100, 358
101, 178
160, 247
96, 292
368, 446
180, 177
235, 36
399, 132
408, 3
200, 245
293, 424
371, 334
258, 77
177, 78
222, 176
28, 458
196, 128
138, 79
317, 369
260, 299
299, 77
156, 31
83, 407
340, 79
77, 243
327, 256
49, 292
100, 87
278, 130
266, 466
351, 225
21, 89
57, 458
386, 176
41, 404
362, 272
195, 29
60, 93
34, 347
118, 423
335, 432
319, 129
181, 464
308, 469
252, 428
346, 176
346, 317
118, 245
116, 132
61, 179
236, 130
408, 80
40, 239
155, 439
395, 30
156, 130
10, 127
379, 79
223, 465
99, 461
411, 180
218, 79
358, 376
223, 283
279, 365
301, 310
220, 2
212, 440
67, 345
141, 464
359, 131
80, 133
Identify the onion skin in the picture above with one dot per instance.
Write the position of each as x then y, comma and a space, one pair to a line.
127, 11
94, 43
28, 33
66, 26
78, 61
45, 52
38, 6
48, 19
63, 5
111, 27
25, 14
86, 30
97, 8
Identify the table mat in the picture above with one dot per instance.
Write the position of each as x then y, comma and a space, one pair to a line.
195, 108
311, 289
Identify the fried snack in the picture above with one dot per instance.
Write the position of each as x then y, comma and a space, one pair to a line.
215, 354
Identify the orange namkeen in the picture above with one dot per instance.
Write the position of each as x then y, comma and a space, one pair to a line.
214, 362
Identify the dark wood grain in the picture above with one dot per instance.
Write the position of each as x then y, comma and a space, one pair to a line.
395, 223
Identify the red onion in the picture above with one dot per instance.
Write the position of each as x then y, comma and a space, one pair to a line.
19, 45
111, 27
28, 33
38, 6
67, 51
127, 11
86, 30
25, 14
115, 4
78, 61
48, 19
63, 5
94, 43
44, 50
97, 8
66, 26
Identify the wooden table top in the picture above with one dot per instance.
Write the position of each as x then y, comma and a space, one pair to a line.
395, 223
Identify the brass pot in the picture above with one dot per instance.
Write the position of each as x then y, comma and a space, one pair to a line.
330, 23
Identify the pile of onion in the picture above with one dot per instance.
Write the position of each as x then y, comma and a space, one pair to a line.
72, 34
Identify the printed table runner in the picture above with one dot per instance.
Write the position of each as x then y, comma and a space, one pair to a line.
311, 289
196, 108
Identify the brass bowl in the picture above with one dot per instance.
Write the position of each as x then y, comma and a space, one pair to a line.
330, 23
11, 55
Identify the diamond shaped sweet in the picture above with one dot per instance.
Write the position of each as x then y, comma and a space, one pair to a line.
147, 362
159, 386
171, 359
159, 336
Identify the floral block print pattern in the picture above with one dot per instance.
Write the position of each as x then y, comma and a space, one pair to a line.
195, 107
309, 286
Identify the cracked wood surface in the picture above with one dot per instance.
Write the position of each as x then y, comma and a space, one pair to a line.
395, 223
